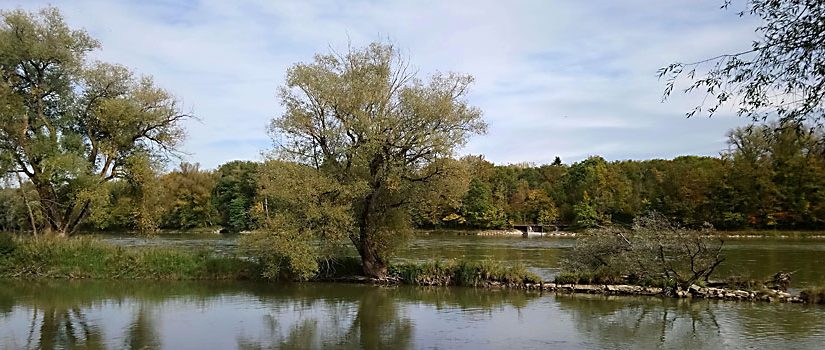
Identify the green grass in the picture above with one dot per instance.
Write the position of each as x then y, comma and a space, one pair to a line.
84, 257
462, 273
591, 278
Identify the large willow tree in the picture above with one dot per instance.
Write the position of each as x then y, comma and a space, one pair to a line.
69, 124
376, 137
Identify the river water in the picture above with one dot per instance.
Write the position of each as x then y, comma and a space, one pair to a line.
247, 315
188, 315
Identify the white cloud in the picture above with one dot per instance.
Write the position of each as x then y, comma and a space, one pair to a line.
554, 78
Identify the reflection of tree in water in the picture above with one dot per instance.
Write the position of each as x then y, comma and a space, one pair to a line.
142, 332
352, 316
377, 324
6, 303
68, 327
56, 327
691, 324
646, 322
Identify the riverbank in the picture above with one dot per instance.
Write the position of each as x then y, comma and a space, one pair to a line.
88, 258
497, 232
783, 234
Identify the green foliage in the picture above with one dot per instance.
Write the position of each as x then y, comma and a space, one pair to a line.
283, 253
600, 277
7, 244
234, 194
299, 230
187, 198
586, 215
377, 135
772, 176
14, 209
478, 208
69, 124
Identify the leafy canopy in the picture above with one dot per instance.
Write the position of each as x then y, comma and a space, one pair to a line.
70, 124
377, 135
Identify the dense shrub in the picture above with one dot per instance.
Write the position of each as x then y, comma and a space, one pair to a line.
7, 244
654, 252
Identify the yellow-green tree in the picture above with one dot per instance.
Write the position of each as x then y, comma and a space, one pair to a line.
187, 198
69, 124
364, 121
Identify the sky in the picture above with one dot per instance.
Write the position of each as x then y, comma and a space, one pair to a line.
553, 78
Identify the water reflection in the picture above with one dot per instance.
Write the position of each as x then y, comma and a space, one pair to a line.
687, 324
143, 333
649, 322
175, 315
140, 315
377, 323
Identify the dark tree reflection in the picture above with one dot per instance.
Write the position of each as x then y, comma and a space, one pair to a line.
142, 332
63, 328
371, 320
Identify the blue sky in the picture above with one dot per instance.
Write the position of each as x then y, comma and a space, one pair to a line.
554, 78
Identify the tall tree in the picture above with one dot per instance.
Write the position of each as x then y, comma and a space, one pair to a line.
187, 198
234, 194
782, 73
364, 120
69, 124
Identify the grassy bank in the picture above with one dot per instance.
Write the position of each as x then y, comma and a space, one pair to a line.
89, 258
463, 273
85, 257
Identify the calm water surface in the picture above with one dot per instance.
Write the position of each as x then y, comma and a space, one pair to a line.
186, 315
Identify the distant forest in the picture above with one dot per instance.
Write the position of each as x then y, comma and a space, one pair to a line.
771, 176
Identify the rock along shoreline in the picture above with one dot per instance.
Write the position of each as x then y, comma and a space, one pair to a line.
694, 292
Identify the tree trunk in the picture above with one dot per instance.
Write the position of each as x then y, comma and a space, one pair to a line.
372, 261
373, 264
28, 205
51, 211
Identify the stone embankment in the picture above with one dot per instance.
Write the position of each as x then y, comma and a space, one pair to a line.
695, 292
520, 233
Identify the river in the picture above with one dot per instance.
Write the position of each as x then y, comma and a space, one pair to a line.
253, 315
208, 315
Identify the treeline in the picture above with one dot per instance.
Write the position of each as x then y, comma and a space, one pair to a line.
770, 177
186, 198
